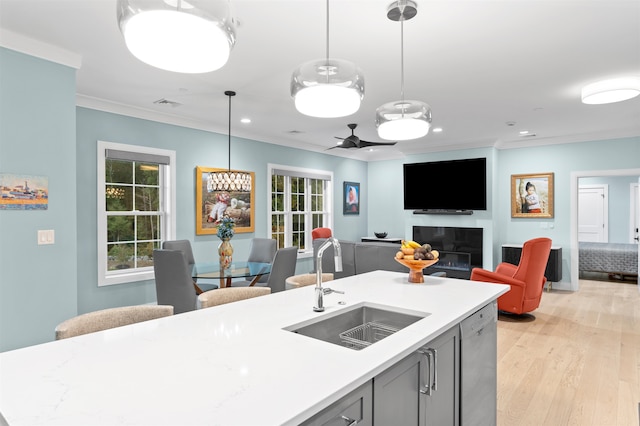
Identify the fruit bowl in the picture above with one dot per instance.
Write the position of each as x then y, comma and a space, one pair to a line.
380, 234
415, 268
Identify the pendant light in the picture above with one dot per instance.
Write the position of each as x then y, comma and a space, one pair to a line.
403, 119
229, 180
194, 36
327, 87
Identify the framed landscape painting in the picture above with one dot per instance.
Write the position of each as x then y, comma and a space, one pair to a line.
23, 192
222, 192
532, 195
351, 198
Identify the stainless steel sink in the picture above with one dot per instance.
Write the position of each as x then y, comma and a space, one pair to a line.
358, 326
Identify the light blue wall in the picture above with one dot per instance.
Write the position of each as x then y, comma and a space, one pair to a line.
618, 204
562, 160
43, 133
38, 284
385, 198
193, 148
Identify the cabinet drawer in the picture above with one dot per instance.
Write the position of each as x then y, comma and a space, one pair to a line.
357, 406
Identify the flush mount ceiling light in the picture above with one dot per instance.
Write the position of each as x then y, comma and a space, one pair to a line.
229, 180
404, 119
327, 87
176, 35
609, 91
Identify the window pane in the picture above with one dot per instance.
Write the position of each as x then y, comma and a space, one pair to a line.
118, 171
120, 228
145, 253
120, 256
119, 198
147, 199
277, 183
148, 228
147, 173
316, 220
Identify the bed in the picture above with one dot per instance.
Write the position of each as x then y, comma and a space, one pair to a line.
612, 258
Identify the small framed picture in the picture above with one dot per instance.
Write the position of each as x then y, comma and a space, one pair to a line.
532, 195
351, 198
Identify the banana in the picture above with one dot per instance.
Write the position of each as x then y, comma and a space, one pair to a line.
413, 244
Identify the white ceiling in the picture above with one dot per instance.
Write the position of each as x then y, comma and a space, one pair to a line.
478, 63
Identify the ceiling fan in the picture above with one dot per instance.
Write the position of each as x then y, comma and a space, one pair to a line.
355, 142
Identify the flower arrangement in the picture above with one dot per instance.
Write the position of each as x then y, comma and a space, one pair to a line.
225, 228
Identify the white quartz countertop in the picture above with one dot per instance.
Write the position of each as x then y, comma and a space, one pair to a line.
228, 365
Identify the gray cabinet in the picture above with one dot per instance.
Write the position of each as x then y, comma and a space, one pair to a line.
443, 386
355, 408
397, 397
423, 388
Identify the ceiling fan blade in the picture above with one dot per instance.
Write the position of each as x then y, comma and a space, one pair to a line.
367, 143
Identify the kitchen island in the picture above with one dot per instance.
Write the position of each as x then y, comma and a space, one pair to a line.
234, 364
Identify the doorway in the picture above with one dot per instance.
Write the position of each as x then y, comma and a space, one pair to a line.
575, 178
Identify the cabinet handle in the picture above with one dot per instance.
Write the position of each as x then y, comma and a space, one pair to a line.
435, 369
349, 420
426, 386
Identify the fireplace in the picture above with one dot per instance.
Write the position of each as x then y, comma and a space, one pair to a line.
460, 248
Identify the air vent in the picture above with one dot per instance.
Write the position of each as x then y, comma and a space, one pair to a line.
164, 101
295, 132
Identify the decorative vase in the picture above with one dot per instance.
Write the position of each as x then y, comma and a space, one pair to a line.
225, 250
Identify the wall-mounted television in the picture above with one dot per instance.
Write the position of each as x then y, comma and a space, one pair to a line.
446, 186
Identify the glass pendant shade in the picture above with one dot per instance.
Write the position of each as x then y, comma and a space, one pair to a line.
327, 88
176, 35
231, 180
610, 91
403, 120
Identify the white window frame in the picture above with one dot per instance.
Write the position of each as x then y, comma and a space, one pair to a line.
328, 200
168, 195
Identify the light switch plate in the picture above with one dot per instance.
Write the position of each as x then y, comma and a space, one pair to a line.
46, 236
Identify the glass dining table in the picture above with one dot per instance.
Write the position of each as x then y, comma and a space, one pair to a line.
211, 270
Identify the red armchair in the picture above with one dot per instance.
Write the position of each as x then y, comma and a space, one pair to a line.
320, 233
526, 280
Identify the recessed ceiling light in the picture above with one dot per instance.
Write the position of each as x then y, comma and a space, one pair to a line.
245, 120
609, 91
524, 132
436, 129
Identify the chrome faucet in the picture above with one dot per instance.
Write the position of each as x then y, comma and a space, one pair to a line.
319, 291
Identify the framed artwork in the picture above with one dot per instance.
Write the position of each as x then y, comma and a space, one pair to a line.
351, 198
532, 195
23, 192
221, 192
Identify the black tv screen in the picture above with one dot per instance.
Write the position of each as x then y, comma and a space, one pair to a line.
446, 185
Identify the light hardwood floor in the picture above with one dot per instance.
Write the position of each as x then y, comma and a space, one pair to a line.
577, 363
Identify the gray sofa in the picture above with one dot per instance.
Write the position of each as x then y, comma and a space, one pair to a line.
359, 257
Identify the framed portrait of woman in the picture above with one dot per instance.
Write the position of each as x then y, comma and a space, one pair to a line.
351, 198
532, 195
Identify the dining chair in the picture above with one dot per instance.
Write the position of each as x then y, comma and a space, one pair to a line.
110, 318
302, 280
284, 266
229, 294
174, 285
320, 233
262, 250
185, 247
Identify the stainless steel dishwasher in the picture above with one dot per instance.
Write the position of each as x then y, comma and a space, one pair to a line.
478, 360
